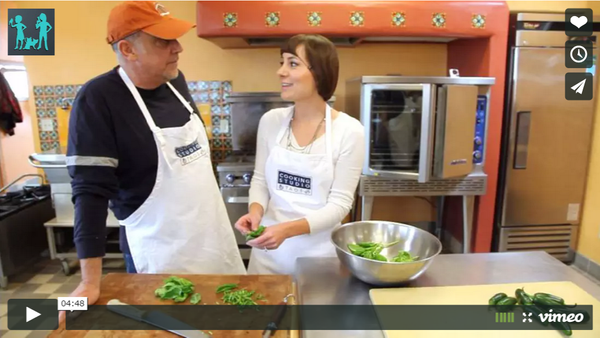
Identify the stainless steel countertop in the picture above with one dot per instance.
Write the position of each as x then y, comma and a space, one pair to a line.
325, 281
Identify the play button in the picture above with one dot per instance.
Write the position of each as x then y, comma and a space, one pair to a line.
31, 314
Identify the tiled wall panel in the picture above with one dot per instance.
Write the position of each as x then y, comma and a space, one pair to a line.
50, 98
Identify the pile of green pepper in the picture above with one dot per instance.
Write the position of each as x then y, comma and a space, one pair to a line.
235, 296
533, 303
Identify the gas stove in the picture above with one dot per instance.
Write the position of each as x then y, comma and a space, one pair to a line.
16, 200
23, 240
235, 176
236, 170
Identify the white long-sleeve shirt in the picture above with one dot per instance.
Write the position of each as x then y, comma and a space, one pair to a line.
348, 155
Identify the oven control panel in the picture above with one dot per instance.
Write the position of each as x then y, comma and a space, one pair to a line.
234, 179
479, 129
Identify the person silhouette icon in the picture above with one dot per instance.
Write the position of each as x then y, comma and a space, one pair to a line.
42, 25
20, 28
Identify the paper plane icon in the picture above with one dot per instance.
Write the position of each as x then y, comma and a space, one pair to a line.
578, 88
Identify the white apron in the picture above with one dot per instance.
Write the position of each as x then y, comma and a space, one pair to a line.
298, 185
183, 226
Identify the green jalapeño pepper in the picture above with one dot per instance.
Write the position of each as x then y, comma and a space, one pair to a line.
523, 297
496, 298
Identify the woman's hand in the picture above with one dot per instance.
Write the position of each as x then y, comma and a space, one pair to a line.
248, 222
271, 238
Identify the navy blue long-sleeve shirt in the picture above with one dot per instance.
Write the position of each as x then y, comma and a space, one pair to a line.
111, 153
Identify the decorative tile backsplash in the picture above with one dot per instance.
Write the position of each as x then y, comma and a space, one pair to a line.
49, 99
215, 93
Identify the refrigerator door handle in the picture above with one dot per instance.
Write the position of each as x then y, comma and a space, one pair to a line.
522, 139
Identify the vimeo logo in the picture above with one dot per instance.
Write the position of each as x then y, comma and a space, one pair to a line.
552, 317
561, 317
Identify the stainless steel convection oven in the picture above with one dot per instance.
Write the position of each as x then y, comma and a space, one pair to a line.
425, 136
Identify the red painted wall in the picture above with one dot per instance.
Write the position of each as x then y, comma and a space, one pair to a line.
483, 57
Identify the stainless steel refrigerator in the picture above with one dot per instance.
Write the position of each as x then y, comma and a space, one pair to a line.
546, 141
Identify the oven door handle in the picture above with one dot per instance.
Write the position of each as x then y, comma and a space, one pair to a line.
238, 200
427, 133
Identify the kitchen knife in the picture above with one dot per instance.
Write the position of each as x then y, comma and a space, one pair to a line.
155, 318
277, 317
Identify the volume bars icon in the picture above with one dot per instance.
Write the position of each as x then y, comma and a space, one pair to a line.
578, 88
505, 317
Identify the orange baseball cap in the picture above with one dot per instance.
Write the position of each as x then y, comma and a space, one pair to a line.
147, 16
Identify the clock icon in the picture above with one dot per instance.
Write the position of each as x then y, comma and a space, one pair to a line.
578, 54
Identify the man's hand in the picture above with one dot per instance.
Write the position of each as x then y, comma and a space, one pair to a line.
91, 274
92, 292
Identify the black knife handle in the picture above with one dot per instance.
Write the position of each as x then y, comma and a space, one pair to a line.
277, 317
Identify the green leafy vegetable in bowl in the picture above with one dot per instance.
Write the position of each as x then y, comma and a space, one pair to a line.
175, 288
372, 250
404, 256
254, 234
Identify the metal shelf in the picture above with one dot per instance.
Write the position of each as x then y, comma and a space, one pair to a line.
66, 256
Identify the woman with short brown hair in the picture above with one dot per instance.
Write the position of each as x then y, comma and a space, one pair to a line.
308, 162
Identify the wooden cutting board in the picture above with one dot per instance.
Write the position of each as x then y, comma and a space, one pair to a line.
139, 289
480, 294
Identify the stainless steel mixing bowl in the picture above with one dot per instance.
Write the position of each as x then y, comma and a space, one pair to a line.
414, 240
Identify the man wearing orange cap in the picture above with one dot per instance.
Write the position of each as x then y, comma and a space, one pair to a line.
136, 140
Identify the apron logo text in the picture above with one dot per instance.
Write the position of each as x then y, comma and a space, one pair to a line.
190, 152
294, 183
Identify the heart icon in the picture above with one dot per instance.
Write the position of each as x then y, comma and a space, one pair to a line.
578, 21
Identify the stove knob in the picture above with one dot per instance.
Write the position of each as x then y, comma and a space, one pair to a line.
477, 155
478, 141
230, 178
247, 178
